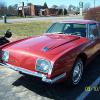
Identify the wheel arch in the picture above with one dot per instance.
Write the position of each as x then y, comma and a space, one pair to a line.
83, 56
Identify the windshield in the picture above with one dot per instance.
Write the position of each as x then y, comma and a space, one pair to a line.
68, 28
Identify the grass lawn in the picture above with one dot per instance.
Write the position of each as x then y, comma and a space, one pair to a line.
25, 29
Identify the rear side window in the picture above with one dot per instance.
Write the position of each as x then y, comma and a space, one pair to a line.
98, 26
94, 30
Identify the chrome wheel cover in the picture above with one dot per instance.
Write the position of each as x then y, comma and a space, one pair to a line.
77, 72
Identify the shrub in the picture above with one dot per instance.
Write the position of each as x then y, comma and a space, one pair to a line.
93, 14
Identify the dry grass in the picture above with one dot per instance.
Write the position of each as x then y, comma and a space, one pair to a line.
21, 30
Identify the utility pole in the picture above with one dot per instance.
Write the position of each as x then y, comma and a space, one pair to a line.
63, 11
94, 3
23, 13
81, 7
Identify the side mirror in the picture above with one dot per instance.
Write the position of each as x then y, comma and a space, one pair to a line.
8, 34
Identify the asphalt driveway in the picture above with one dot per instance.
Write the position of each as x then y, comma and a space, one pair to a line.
14, 86
52, 19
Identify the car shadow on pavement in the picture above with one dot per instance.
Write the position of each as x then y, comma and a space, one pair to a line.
60, 91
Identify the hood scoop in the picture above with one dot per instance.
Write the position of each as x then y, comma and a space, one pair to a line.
45, 49
57, 44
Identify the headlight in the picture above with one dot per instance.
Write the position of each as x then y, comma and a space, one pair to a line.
43, 65
5, 56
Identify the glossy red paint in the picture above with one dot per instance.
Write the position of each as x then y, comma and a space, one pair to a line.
62, 51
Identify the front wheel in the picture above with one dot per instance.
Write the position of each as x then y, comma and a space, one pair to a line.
76, 73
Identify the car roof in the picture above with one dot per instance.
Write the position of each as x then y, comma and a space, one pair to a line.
80, 21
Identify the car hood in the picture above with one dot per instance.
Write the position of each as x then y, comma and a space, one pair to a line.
44, 43
25, 52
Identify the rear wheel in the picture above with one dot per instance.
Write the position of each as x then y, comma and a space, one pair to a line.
76, 73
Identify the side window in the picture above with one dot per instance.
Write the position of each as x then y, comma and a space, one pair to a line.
98, 26
93, 31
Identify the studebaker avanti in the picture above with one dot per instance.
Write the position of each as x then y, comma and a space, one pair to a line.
62, 53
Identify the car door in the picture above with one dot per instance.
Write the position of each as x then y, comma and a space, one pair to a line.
98, 37
94, 39
96, 33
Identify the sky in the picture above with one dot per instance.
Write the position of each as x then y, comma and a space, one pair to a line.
52, 2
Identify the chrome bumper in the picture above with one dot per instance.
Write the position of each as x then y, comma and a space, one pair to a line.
44, 77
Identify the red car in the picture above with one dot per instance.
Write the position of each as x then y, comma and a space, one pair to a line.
60, 54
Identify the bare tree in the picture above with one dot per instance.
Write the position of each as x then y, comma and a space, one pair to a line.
86, 6
62, 10
12, 10
71, 8
45, 5
3, 8
29, 4
54, 6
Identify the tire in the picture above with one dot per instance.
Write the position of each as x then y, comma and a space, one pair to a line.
76, 73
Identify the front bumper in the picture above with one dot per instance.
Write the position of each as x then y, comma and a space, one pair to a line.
33, 73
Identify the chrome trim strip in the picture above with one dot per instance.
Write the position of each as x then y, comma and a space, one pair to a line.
44, 77
54, 79
23, 70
